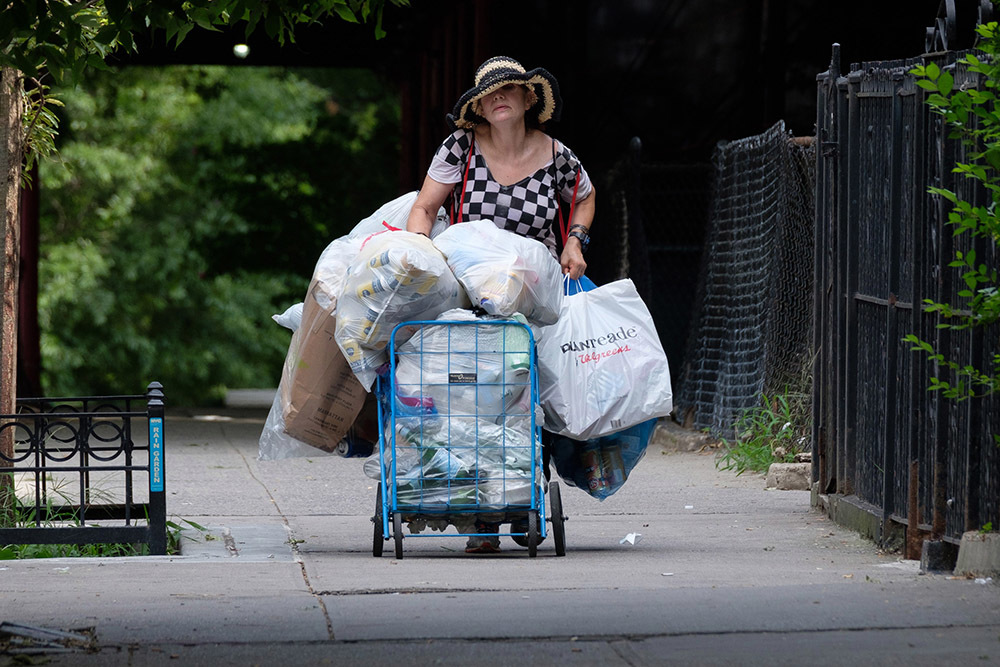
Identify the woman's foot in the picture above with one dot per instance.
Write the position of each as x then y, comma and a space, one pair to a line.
484, 544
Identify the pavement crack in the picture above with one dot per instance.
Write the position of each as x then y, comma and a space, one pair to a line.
422, 591
294, 545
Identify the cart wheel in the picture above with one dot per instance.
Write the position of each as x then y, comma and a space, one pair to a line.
397, 533
556, 515
378, 539
532, 534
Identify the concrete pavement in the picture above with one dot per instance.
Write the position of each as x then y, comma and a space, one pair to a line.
725, 572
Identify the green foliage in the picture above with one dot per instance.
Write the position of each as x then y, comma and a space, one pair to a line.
20, 514
186, 206
175, 534
40, 125
987, 528
65, 37
772, 432
973, 116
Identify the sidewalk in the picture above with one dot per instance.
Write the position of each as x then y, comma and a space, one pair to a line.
285, 570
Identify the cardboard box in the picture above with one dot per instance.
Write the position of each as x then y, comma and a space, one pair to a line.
320, 396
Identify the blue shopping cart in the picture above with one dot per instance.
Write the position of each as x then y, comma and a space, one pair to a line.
460, 436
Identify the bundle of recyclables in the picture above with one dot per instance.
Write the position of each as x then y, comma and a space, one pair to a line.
319, 399
602, 375
459, 426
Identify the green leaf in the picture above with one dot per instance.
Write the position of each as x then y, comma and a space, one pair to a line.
932, 71
344, 12
107, 35
116, 9
946, 82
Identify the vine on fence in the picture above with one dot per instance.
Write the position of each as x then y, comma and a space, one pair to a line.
973, 114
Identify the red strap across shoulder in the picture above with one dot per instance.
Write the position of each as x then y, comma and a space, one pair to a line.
564, 225
465, 180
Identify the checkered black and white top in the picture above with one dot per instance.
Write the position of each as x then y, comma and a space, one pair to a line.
528, 207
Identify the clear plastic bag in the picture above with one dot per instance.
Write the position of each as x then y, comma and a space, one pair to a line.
324, 289
504, 273
275, 443
396, 277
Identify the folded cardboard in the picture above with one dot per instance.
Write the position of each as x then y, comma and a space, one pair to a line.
321, 398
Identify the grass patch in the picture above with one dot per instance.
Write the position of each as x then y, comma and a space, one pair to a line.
772, 432
58, 513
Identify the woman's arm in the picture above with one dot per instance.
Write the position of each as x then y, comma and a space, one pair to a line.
425, 209
571, 260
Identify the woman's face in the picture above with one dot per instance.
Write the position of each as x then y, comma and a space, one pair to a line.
504, 104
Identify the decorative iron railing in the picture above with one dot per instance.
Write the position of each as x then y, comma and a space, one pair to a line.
84, 470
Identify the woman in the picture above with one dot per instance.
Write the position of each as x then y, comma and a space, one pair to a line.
514, 173
499, 165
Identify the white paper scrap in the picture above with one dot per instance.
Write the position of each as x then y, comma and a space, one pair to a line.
631, 538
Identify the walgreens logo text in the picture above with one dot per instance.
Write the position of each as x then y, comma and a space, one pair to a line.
594, 349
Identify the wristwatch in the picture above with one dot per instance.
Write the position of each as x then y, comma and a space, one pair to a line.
581, 233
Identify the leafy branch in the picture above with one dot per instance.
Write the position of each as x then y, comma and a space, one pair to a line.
972, 114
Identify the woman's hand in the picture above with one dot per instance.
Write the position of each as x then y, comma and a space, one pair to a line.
571, 260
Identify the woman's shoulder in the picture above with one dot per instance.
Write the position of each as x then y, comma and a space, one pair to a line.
460, 139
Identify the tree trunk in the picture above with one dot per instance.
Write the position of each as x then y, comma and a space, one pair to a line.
11, 143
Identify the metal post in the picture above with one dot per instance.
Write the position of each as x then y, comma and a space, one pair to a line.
827, 120
918, 408
157, 470
848, 285
892, 291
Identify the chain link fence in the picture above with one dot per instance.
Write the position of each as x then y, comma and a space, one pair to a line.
751, 324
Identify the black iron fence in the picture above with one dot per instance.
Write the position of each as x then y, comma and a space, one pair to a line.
77, 471
902, 455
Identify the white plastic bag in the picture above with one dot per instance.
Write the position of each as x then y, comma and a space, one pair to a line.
602, 368
397, 276
291, 318
393, 215
503, 273
331, 267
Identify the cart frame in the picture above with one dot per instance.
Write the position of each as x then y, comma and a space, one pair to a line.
390, 512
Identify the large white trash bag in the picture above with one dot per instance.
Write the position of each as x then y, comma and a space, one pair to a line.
504, 273
392, 215
601, 367
396, 277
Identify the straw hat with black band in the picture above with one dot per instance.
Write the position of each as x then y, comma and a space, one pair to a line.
496, 73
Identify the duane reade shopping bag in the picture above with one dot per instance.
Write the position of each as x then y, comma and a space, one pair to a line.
601, 365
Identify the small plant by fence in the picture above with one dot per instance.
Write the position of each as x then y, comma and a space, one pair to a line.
77, 471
